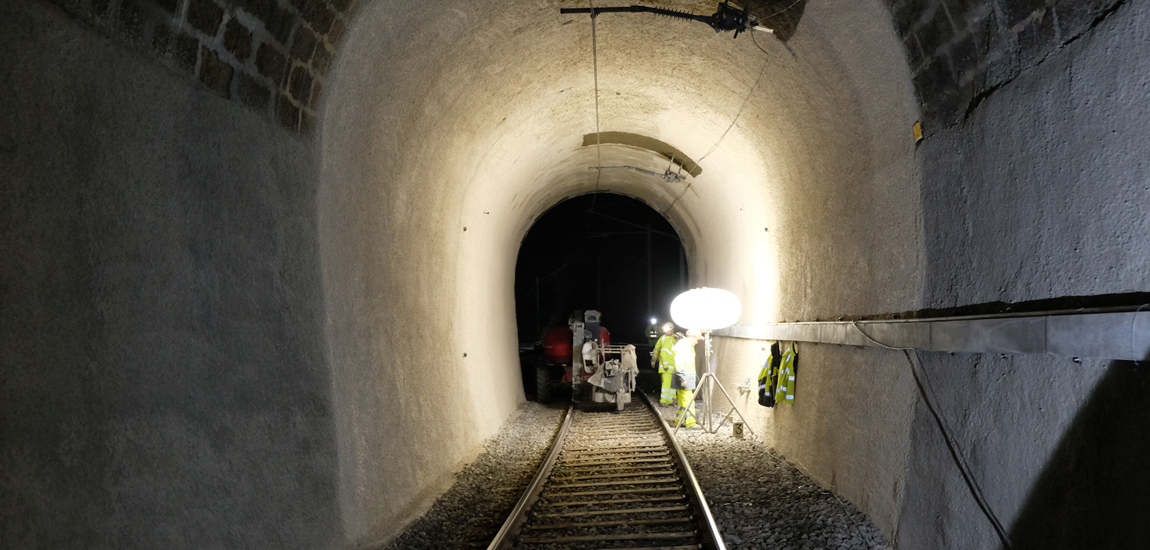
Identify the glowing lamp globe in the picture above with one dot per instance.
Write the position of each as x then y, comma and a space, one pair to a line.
706, 309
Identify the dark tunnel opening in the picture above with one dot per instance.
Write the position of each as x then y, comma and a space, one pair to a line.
592, 252
599, 251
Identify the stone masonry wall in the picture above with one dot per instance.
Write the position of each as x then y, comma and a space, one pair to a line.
270, 55
960, 51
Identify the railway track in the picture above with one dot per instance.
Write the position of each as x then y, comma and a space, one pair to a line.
612, 480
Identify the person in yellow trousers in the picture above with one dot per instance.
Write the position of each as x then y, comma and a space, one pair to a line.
685, 378
663, 356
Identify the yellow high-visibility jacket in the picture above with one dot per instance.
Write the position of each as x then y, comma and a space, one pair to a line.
786, 390
665, 353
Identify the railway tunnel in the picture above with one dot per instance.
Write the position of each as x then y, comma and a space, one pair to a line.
259, 255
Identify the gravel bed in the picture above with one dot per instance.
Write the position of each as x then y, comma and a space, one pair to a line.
758, 499
471, 512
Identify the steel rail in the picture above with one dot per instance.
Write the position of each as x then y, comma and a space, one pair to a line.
711, 531
518, 516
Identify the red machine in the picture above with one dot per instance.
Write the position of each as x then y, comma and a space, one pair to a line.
557, 348
559, 352
581, 356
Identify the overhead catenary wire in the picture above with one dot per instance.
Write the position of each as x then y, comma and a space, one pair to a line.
595, 74
598, 149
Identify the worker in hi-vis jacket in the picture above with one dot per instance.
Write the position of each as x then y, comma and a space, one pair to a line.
684, 382
663, 357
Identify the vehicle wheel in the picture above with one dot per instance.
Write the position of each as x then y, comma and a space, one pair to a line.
542, 384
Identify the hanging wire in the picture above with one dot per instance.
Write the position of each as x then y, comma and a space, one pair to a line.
951, 444
738, 114
716, 146
595, 72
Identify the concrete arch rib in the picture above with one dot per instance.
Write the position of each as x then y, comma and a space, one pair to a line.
449, 127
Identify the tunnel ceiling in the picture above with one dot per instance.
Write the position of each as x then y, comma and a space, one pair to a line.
274, 56
485, 120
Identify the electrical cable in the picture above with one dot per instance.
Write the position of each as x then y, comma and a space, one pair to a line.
716, 146
951, 445
595, 73
875, 342
756, 43
738, 114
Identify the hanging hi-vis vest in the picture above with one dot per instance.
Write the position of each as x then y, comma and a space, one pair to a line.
786, 389
769, 377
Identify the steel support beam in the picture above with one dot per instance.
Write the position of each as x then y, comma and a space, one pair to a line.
1112, 335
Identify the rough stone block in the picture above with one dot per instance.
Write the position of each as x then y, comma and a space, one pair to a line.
336, 32
961, 8
322, 19
937, 91
303, 44
1075, 17
205, 16
306, 122
100, 8
300, 84
169, 6
934, 79
964, 60
914, 53
316, 88
287, 114
271, 63
280, 24
215, 72
935, 33
131, 22
1037, 39
261, 9
341, 5
238, 40
321, 60
1015, 12
907, 15
253, 93
162, 40
186, 52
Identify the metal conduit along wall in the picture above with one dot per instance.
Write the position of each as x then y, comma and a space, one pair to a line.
1113, 335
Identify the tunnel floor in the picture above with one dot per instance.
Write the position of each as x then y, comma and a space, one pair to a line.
759, 500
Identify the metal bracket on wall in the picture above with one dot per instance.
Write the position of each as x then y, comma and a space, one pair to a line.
1112, 335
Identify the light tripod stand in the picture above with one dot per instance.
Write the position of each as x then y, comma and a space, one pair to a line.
707, 385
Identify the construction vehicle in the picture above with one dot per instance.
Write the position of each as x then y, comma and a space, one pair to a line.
581, 354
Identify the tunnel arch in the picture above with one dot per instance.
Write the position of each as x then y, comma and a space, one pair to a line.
591, 252
438, 161
240, 308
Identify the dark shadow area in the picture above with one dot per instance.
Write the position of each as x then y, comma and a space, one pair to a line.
592, 252
600, 251
1128, 301
781, 16
1095, 490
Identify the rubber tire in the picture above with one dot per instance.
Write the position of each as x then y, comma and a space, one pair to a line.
542, 384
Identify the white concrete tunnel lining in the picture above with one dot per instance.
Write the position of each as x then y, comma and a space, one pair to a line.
482, 128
